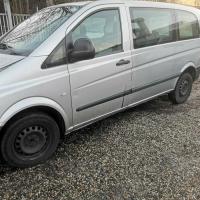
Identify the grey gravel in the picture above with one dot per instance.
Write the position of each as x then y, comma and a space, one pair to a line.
149, 152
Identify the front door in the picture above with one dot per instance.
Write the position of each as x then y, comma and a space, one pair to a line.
98, 84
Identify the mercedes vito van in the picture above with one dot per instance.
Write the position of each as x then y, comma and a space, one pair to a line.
70, 65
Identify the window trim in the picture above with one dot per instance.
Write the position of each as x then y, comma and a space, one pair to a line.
177, 25
90, 14
45, 64
174, 32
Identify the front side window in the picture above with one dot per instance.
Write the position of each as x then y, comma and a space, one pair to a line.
151, 26
188, 25
103, 29
34, 31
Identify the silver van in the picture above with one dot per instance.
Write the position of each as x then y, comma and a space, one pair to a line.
70, 65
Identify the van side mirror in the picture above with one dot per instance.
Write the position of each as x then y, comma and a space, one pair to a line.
83, 50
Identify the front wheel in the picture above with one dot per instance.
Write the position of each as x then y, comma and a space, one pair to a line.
30, 140
183, 89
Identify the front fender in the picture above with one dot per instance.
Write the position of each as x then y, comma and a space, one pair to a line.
32, 102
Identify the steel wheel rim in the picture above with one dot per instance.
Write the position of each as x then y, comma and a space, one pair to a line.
31, 141
184, 88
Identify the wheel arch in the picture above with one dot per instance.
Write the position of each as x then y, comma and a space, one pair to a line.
36, 104
190, 67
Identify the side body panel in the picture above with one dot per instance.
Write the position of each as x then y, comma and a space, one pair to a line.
153, 69
26, 85
187, 51
98, 85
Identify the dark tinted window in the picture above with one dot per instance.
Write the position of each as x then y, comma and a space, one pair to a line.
188, 25
151, 26
57, 57
103, 29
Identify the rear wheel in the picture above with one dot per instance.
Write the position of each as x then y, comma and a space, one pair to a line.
183, 89
30, 140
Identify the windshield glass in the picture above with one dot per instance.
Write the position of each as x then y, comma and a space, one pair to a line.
27, 36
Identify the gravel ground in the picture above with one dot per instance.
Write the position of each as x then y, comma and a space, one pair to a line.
149, 152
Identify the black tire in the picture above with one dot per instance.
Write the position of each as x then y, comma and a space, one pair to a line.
183, 89
30, 140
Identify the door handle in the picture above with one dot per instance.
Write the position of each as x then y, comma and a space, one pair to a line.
123, 62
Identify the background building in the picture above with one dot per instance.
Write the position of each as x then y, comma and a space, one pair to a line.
31, 6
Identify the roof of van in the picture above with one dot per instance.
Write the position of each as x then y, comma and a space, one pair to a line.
130, 2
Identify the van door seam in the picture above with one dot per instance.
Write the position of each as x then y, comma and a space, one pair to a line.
126, 93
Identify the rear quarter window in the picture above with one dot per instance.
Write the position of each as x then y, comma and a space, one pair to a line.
188, 25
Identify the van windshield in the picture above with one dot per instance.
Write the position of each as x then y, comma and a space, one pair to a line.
31, 33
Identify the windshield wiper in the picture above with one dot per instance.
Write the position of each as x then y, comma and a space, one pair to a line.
3, 46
